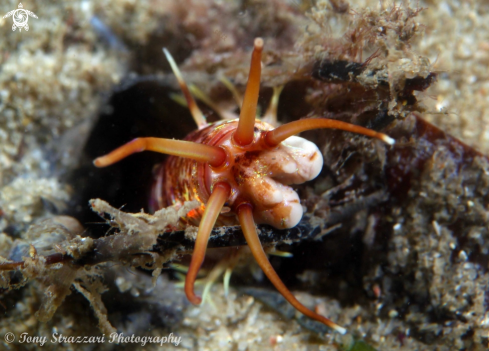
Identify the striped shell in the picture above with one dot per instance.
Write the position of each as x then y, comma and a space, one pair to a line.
256, 173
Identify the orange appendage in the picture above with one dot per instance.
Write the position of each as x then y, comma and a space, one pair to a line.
213, 155
244, 134
276, 136
212, 210
245, 214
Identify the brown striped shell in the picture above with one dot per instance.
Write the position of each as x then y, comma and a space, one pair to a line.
256, 173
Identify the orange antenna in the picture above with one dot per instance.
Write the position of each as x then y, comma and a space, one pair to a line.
279, 134
215, 155
219, 196
245, 132
245, 215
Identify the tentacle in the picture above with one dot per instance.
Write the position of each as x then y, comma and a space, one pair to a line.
232, 261
226, 266
211, 279
236, 95
199, 94
197, 114
245, 131
226, 280
245, 216
179, 99
276, 136
271, 115
214, 155
219, 196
